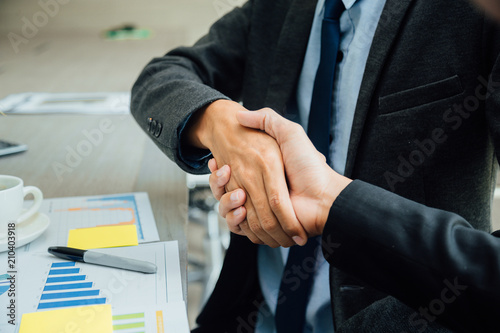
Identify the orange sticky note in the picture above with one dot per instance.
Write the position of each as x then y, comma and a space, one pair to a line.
82, 319
106, 236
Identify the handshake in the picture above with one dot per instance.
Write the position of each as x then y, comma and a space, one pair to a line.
287, 197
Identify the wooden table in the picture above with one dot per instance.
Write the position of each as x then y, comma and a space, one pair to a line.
78, 155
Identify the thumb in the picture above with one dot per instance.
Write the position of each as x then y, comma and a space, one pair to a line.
265, 119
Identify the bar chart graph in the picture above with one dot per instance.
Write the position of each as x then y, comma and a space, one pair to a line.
140, 303
120, 209
66, 286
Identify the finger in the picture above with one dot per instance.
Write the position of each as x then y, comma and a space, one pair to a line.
230, 201
258, 212
249, 233
234, 218
252, 119
281, 206
218, 180
276, 187
251, 227
212, 165
269, 121
261, 217
274, 209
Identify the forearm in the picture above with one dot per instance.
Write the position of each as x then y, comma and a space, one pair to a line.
172, 88
414, 252
163, 105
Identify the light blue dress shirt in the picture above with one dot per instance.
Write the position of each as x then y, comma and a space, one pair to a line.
357, 25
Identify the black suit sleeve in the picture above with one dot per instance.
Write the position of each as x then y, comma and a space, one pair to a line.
432, 260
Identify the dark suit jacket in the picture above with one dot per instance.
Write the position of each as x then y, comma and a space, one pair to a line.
425, 127
431, 259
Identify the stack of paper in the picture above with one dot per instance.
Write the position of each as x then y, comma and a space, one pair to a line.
80, 103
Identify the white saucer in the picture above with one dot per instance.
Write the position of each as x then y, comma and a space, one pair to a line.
28, 230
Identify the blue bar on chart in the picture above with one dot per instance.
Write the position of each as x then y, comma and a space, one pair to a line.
55, 287
66, 286
69, 278
63, 264
64, 271
4, 283
66, 304
70, 294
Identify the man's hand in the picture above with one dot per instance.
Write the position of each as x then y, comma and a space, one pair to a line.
257, 168
314, 186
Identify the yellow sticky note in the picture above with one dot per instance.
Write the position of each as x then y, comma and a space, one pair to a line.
82, 319
106, 236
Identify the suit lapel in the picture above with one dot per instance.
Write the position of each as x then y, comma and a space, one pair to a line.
290, 51
385, 35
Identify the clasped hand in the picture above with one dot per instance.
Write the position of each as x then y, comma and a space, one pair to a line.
312, 185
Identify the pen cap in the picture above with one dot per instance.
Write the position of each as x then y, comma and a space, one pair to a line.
67, 253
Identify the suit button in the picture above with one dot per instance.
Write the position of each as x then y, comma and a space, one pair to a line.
149, 124
153, 126
158, 130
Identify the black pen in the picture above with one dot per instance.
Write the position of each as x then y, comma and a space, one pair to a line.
96, 258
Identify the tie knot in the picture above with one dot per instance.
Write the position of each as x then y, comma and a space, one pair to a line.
334, 9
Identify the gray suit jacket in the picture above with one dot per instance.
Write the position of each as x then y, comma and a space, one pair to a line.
426, 123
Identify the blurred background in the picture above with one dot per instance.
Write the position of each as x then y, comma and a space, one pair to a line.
60, 45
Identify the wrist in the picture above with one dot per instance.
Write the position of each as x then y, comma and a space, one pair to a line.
204, 123
335, 185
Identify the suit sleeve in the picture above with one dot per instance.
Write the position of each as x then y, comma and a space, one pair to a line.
171, 88
492, 102
429, 259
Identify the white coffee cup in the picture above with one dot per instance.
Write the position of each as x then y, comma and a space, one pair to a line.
12, 194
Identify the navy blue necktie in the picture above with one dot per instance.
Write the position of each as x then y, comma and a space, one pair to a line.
297, 278
318, 128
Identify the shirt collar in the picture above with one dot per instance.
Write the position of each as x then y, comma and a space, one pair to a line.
348, 3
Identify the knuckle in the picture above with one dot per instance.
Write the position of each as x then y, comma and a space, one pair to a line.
244, 226
255, 227
256, 241
233, 229
212, 179
291, 230
222, 211
258, 205
253, 224
232, 185
274, 200
213, 186
269, 225
297, 127
270, 157
322, 157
